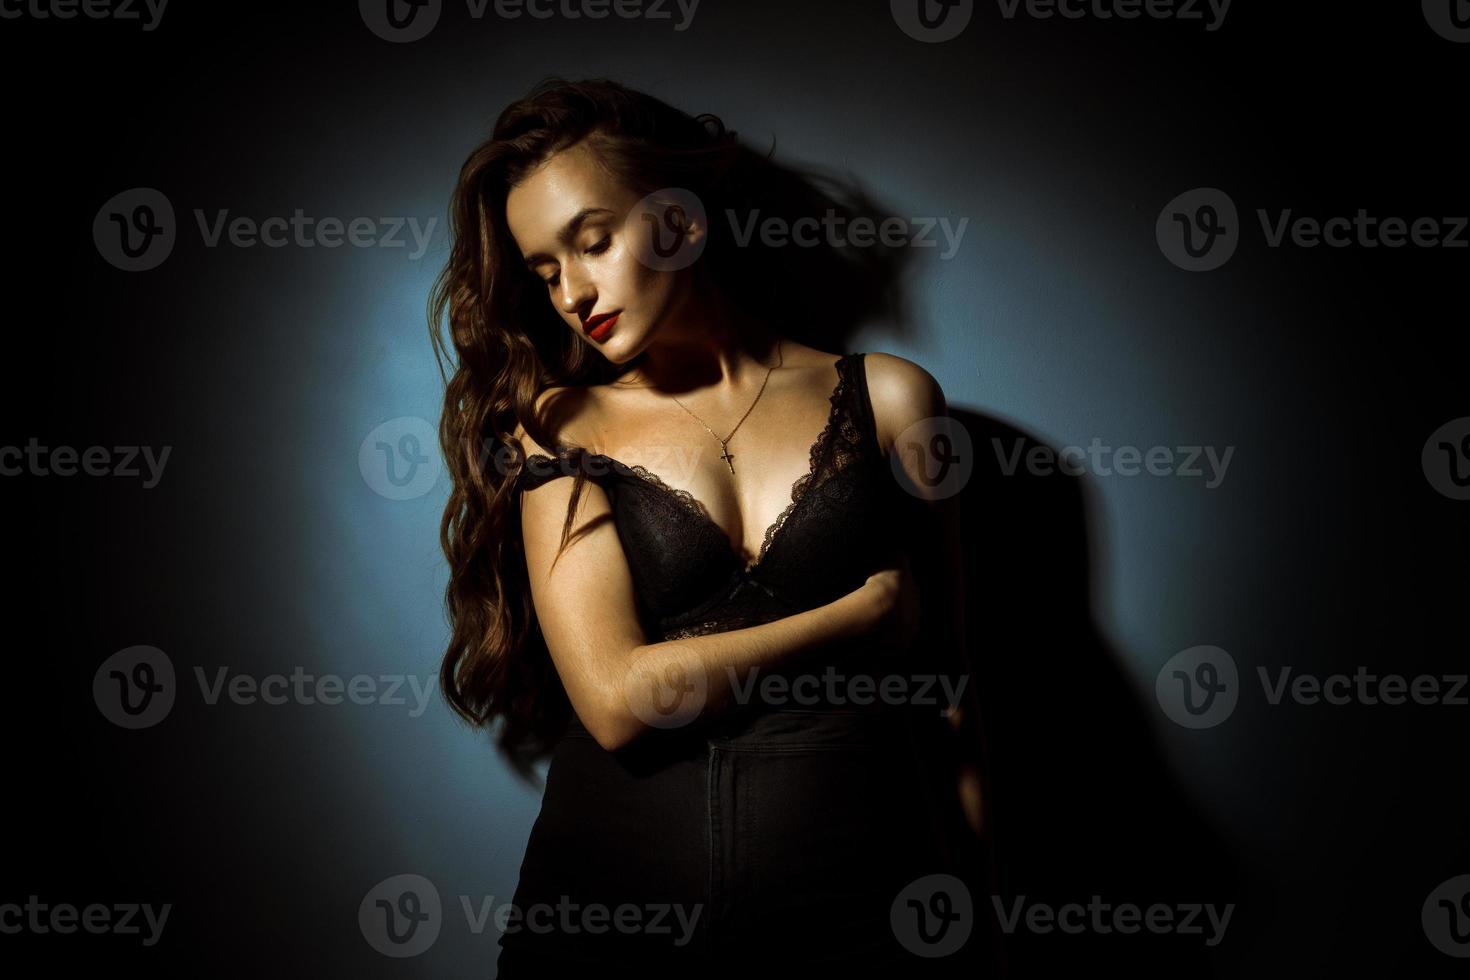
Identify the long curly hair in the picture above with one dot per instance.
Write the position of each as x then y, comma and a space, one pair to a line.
509, 345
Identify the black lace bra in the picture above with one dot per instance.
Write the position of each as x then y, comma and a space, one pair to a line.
840, 526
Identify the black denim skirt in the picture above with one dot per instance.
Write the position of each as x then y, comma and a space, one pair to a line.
813, 838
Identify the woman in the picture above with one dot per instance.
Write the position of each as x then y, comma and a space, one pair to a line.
693, 626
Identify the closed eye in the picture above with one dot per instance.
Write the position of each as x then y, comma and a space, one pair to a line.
596, 249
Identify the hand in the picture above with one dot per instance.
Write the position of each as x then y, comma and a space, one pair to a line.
900, 610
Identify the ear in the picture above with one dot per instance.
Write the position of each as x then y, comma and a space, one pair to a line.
693, 225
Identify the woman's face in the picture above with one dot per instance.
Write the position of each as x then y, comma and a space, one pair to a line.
570, 220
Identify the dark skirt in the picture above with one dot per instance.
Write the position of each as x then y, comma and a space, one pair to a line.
819, 837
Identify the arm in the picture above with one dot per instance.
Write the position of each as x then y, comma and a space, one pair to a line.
903, 394
584, 601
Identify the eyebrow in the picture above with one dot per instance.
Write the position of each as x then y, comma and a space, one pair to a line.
567, 233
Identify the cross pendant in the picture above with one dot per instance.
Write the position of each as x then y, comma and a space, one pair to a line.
727, 457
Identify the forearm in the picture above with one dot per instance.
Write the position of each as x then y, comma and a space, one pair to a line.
699, 676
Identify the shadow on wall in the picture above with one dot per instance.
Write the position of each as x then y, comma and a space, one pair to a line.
1082, 801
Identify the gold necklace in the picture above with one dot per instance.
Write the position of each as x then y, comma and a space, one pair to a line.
724, 447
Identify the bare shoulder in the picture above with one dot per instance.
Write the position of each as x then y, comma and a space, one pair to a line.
562, 410
901, 393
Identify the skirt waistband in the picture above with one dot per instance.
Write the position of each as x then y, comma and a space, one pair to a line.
775, 729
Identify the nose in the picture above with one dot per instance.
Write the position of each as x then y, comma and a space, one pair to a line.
577, 296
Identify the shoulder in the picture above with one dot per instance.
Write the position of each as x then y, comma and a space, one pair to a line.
561, 410
562, 413
901, 393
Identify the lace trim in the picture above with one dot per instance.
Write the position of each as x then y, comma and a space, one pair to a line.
836, 417
683, 496
840, 422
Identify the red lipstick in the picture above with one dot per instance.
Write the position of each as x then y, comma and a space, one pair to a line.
598, 327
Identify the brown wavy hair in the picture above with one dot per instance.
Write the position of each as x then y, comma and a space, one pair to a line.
510, 345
